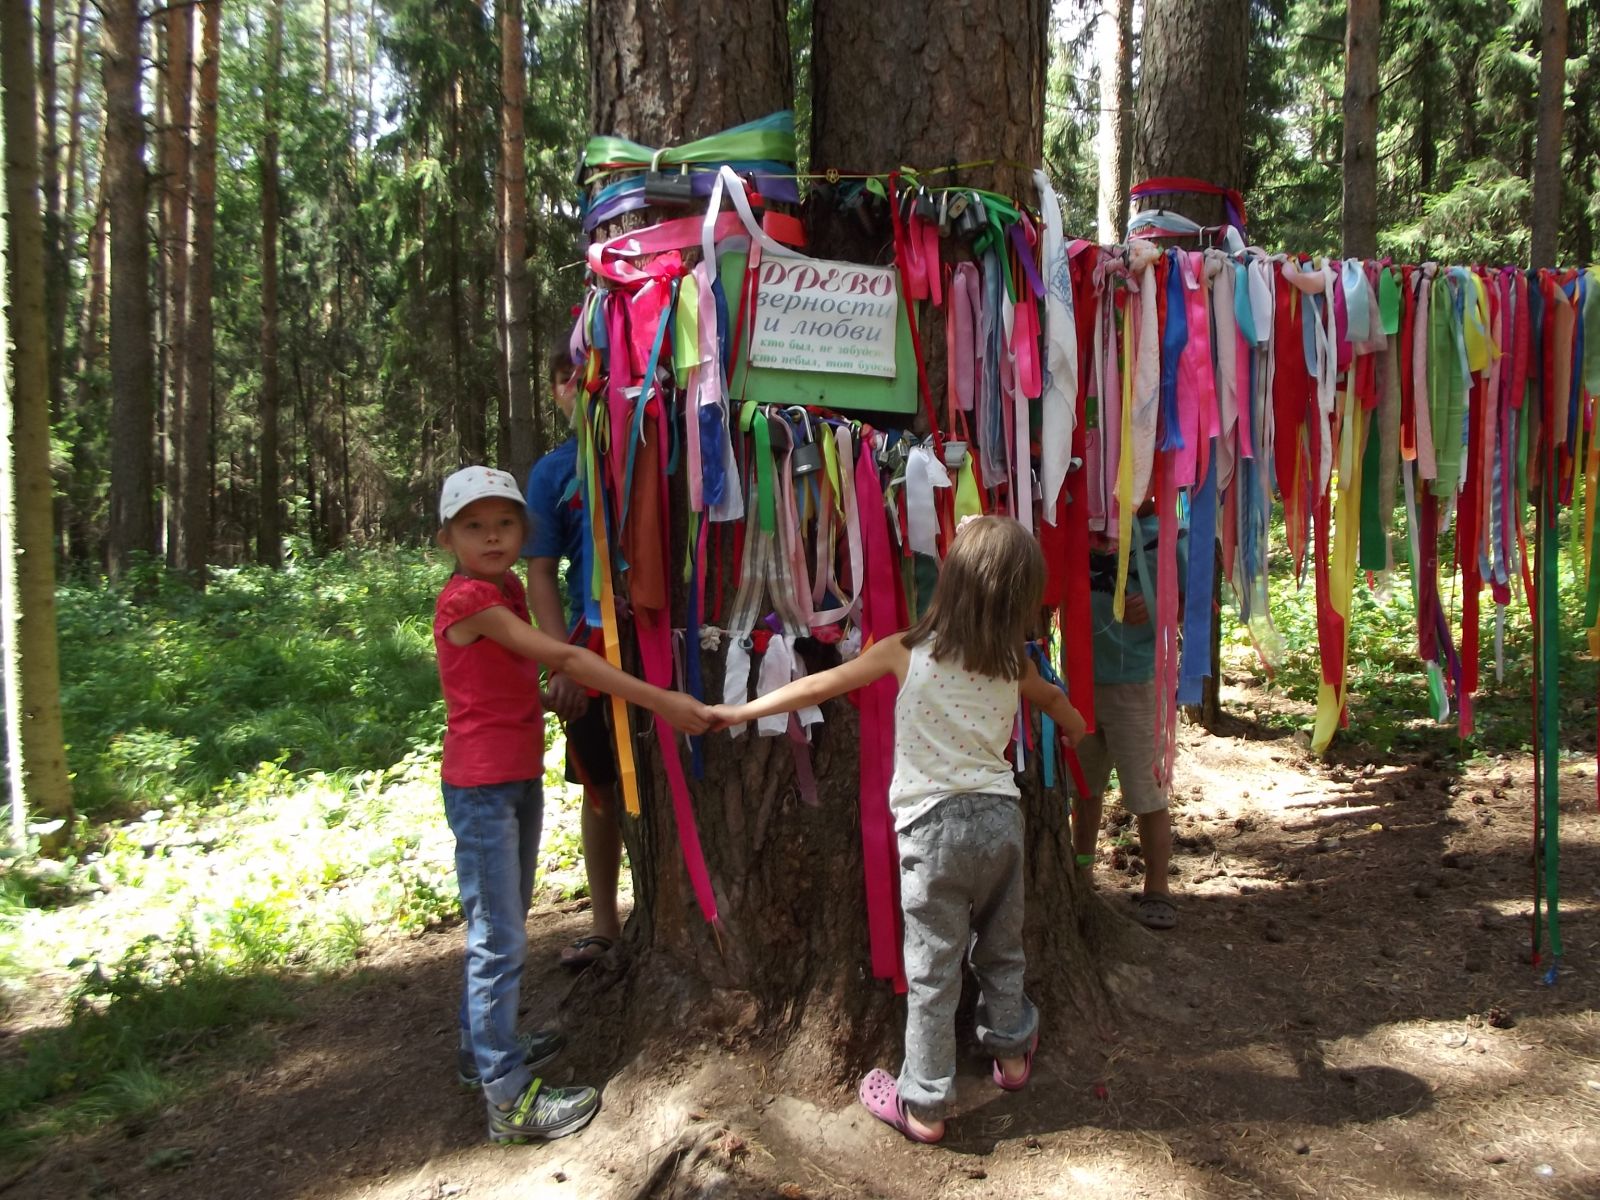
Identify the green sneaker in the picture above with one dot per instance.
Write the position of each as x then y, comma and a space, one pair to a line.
541, 1046
542, 1113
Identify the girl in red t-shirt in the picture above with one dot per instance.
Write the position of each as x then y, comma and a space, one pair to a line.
489, 660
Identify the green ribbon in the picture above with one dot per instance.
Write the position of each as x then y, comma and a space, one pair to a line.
753, 420
1374, 545
771, 137
1447, 394
1389, 301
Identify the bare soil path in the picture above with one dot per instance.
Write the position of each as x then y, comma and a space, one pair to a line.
1346, 1009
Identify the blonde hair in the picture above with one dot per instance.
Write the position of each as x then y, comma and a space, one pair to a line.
987, 599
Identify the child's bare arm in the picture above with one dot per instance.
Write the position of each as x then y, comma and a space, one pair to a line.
1051, 699
499, 624
882, 658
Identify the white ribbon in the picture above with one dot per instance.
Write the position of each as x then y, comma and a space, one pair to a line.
924, 472
1059, 404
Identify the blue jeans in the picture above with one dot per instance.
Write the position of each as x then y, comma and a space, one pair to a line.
497, 851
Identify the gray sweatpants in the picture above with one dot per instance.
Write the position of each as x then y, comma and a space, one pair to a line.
961, 888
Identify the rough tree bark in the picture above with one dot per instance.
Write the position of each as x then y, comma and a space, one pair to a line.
890, 90
1359, 228
50, 179
35, 754
1190, 110
177, 89
269, 532
1547, 156
194, 439
132, 527
517, 347
790, 960
1115, 153
1190, 123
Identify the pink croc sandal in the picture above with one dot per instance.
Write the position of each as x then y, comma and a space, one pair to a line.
1016, 1085
880, 1096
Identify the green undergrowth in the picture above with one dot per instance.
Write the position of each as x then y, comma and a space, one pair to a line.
258, 769
1388, 701
168, 691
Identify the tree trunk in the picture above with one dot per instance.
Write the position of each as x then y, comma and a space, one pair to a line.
937, 85
1115, 154
660, 76
1359, 231
790, 955
269, 533
35, 751
513, 242
1191, 124
1190, 111
84, 486
194, 443
69, 206
55, 217
1547, 156
176, 90
1581, 42
132, 416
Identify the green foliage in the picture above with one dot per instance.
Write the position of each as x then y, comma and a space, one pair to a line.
211, 884
131, 1032
169, 692
1388, 696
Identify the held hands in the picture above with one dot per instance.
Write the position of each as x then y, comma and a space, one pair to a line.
724, 715
1134, 611
685, 713
1072, 725
566, 698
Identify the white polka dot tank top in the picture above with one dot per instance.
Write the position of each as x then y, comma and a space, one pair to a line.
951, 730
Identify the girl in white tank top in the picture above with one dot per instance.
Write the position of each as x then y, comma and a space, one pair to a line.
961, 670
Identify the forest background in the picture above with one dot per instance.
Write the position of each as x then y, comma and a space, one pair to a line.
347, 288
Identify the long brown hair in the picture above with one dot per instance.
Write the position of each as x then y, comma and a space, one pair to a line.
987, 599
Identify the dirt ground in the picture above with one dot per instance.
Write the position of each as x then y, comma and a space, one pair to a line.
1346, 1009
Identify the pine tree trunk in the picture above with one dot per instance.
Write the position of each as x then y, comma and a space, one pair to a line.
55, 284
1359, 231
1547, 156
35, 753
514, 288
931, 85
790, 958
1190, 112
176, 90
269, 533
132, 527
194, 441
1115, 153
1191, 124
84, 487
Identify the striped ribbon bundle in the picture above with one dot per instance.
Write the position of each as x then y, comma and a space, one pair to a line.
1080, 380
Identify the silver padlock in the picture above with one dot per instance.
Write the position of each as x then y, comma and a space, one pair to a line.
806, 460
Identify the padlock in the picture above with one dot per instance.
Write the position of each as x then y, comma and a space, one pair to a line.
926, 208
668, 191
974, 219
806, 460
955, 454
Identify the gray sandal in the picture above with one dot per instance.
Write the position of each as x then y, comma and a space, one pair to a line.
1155, 912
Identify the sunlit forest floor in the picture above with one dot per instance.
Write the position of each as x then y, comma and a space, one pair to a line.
1346, 1009
246, 987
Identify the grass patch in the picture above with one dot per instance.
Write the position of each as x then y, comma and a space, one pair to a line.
1388, 695
169, 693
133, 1045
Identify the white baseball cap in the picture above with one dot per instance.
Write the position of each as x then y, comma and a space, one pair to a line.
476, 483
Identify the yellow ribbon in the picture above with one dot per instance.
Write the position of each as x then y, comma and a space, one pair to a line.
1346, 530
